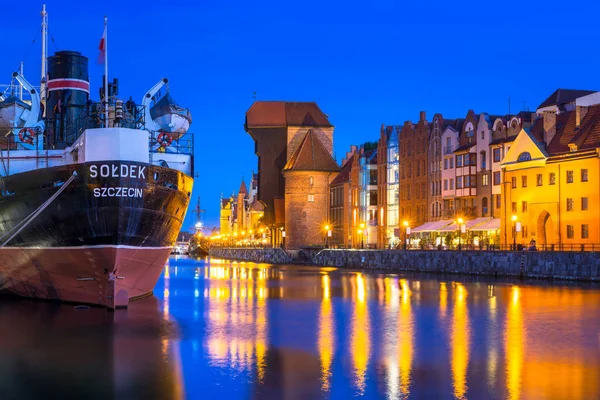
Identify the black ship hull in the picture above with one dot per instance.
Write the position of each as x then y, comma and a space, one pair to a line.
97, 233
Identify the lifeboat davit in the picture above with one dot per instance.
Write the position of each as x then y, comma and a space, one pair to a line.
171, 117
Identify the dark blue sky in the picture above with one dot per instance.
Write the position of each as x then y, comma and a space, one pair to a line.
364, 63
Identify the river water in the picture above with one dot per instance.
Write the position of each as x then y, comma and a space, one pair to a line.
224, 330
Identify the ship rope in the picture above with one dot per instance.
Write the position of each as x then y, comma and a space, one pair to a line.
23, 224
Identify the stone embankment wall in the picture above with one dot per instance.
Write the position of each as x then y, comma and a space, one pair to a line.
267, 255
539, 264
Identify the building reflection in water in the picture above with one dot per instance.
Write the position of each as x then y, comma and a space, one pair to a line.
360, 334
492, 339
514, 345
460, 341
326, 333
405, 338
237, 317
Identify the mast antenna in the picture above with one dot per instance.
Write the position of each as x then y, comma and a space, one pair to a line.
44, 58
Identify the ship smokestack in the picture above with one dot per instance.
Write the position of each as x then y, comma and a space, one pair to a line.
68, 92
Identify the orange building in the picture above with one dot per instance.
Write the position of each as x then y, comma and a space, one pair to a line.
551, 178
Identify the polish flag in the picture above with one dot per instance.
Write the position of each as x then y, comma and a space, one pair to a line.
102, 48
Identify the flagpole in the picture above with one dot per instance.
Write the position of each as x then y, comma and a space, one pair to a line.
105, 73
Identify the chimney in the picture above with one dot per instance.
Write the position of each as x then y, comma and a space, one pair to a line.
549, 126
580, 112
422, 116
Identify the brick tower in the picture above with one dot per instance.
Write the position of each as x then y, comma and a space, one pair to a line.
307, 175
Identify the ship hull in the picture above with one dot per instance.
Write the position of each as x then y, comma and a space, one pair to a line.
106, 236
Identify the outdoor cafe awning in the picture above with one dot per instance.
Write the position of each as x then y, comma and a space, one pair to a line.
470, 225
490, 225
434, 226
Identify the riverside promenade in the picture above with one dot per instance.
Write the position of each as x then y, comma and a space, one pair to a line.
580, 266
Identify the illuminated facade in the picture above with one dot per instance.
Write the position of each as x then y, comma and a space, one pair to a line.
388, 184
551, 176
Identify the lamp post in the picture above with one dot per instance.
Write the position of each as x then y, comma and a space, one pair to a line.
327, 234
460, 224
405, 223
514, 221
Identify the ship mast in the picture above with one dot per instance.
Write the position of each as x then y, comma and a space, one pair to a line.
44, 50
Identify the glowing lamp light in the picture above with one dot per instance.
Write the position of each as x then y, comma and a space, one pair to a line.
460, 220
513, 218
198, 225
405, 223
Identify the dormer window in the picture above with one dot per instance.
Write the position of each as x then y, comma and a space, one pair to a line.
572, 147
524, 156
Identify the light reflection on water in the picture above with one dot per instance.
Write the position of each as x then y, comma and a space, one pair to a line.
253, 331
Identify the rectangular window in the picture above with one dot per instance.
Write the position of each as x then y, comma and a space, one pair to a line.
524, 206
451, 183
459, 161
524, 181
483, 160
498, 201
551, 178
484, 180
569, 204
584, 175
570, 232
496, 178
408, 192
540, 179
584, 203
445, 184
467, 182
311, 197
445, 163
514, 207
497, 155
569, 176
451, 163
513, 182
524, 231
459, 182
585, 231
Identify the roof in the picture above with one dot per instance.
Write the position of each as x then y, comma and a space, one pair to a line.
311, 155
284, 113
257, 206
243, 189
563, 96
464, 148
225, 202
344, 175
586, 136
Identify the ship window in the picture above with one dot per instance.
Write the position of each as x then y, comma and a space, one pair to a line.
155, 176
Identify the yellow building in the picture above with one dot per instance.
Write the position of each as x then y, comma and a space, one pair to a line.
551, 178
226, 224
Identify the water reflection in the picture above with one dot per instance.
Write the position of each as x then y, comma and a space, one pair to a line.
360, 333
240, 330
460, 341
326, 333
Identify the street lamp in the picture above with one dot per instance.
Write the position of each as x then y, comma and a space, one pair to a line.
514, 220
405, 223
460, 222
327, 234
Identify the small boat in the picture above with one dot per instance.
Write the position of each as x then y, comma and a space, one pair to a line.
13, 112
171, 117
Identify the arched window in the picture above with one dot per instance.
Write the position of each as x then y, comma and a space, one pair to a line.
311, 181
524, 156
483, 158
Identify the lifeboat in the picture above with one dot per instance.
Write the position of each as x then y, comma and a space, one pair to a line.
171, 117
13, 112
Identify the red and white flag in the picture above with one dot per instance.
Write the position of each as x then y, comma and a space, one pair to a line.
102, 48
